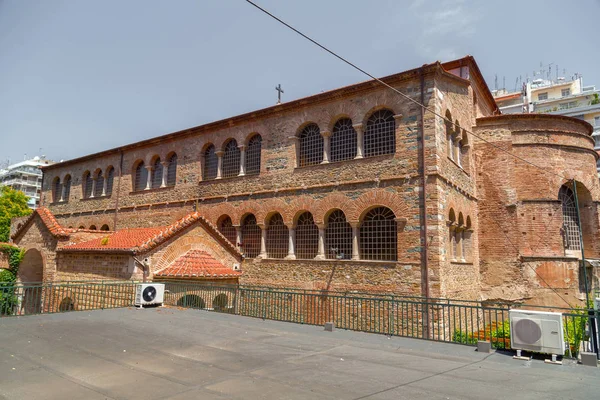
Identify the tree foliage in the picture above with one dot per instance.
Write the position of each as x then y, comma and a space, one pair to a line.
13, 204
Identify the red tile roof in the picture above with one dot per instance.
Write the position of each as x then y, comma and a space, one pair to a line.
142, 240
197, 264
122, 240
48, 220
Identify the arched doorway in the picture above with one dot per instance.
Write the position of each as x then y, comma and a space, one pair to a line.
31, 276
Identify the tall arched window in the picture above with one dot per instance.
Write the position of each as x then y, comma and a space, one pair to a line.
378, 235
449, 135
99, 184
307, 237
110, 177
210, 163
311, 146
338, 236
67, 188
343, 140
56, 190
172, 170
228, 230
231, 159
253, 155
251, 235
141, 177
452, 225
88, 184
157, 173
278, 237
380, 134
457, 139
571, 234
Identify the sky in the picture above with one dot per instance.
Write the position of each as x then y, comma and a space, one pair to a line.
78, 77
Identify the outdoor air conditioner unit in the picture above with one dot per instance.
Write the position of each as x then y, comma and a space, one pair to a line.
537, 331
149, 294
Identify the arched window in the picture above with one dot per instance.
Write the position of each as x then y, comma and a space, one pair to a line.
277, 237
253, 155
172, 170
56, 190
378, 235
457, 139
251, 235
67, 187
380, 134
228, 230
105, 228
210, 163
141, 177
307, 237
157, 173
99, 184
343, 140
452, 225
93, 227
571, 234
449, 135
110, 176
81, 227
311, 146
231, 159
338, 236
88, 183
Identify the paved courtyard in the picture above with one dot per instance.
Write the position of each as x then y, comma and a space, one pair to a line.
190, 354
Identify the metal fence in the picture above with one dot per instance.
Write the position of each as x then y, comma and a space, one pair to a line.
445, 320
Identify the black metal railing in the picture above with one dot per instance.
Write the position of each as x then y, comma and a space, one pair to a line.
446, 320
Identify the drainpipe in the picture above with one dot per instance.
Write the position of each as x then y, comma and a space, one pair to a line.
424, 261
118, 193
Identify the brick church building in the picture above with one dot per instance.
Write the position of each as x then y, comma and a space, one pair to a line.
339, 191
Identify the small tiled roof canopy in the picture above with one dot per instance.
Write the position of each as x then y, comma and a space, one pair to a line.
142, 240
48, 220
197, 264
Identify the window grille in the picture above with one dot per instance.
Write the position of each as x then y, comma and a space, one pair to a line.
253, 155
380, 134
251, 235
88, 182
343, 141
210, 163
99, 184
543, 96
67, 187
110, 176
307, 237
228, 230
172, 170
378, 235
157, 172
56, 189
141, 176
338, 237
311, 146
277, 237
570, 220
231, 159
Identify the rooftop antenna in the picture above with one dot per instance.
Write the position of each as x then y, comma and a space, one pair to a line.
24, 156
496, 81
516, 84
504, 82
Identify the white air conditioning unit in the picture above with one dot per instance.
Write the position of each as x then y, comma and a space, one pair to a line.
537, 331
149, 293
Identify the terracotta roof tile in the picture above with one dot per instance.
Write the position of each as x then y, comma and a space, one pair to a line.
124, 239
49, 221
197, 264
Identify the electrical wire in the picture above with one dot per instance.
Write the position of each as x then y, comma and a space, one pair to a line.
396, 90
425, 109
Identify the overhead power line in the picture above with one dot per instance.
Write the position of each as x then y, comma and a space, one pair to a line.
396, 90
